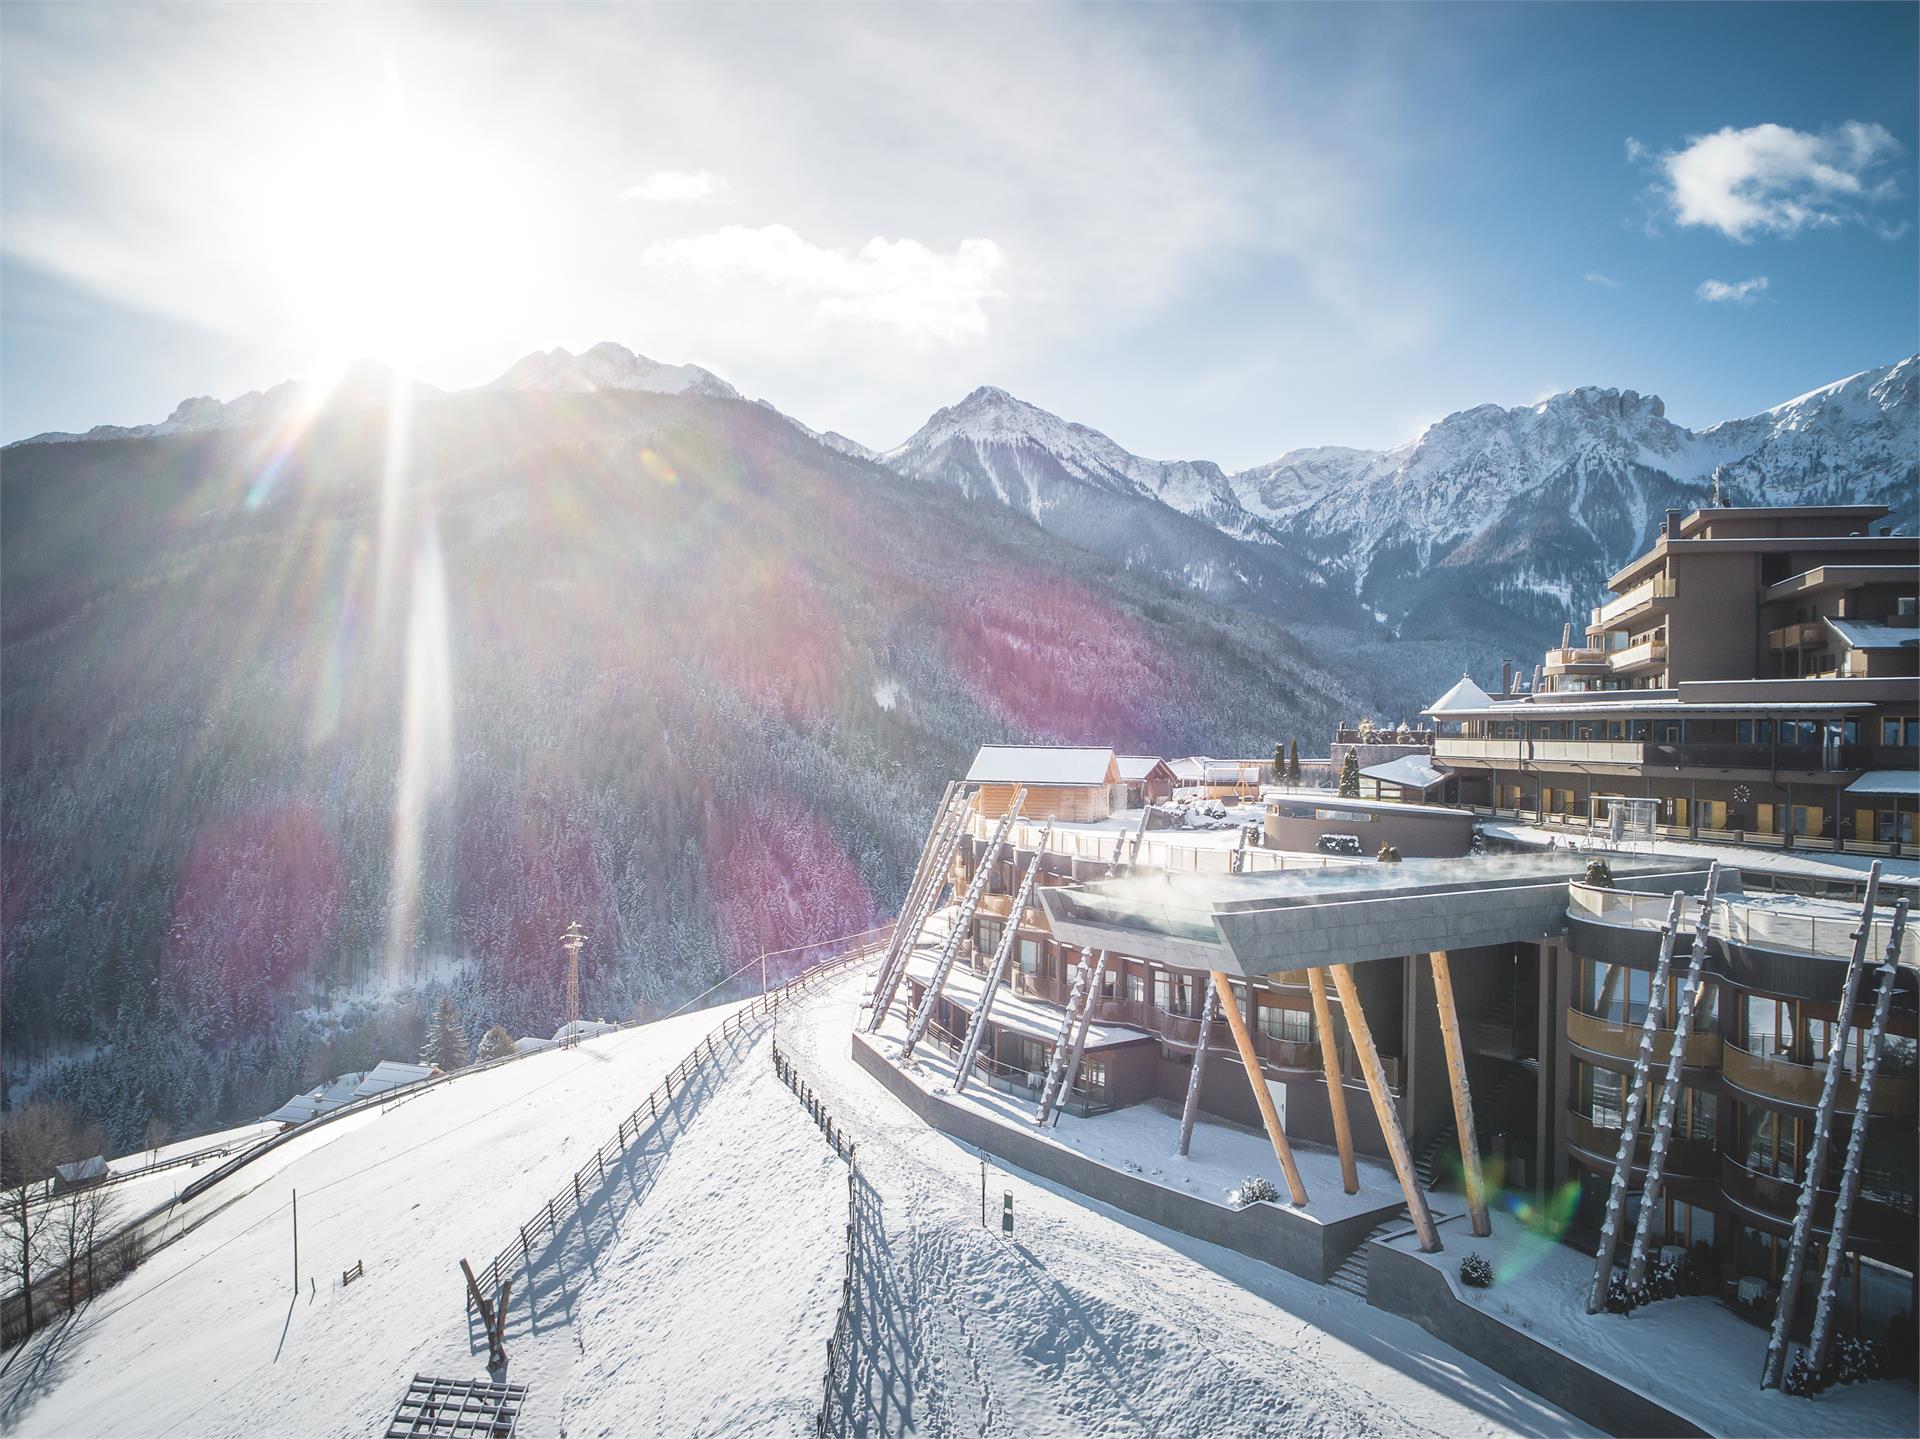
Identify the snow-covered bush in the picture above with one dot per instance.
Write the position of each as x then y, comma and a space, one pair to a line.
1338, 844
1599, 874
1254, 1189
1663, 1281
1475, 1272
1852, 1361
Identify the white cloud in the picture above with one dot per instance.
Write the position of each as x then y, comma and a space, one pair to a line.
1738, 292
1770, 179
668, 186
900, 285
1594, 277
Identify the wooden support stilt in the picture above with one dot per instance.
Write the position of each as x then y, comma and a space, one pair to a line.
1801, 1236
1820, 1343
1209, 1007
1063, 1042
962, 923
1250, 1060
937, 858
1080, 1028
1336, 1082
1650, 1187
1462, 1095
1630, 1119
1383, 1109
493, 1320
1002, 952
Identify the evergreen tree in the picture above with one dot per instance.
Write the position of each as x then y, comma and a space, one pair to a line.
495, 1044
1279, 763
1293, 761
446, 1046
1350, 775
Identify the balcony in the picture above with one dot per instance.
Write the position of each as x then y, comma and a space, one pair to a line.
1686, 1158
1622, 1041
1478, 747
1641, 654
1828, 759
1797, 637
1874, 1219
1588, 751
1642, 599
1773, 1076
1560, 661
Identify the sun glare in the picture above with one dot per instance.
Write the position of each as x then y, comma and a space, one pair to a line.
391, 236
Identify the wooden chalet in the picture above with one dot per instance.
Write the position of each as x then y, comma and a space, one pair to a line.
1062, 783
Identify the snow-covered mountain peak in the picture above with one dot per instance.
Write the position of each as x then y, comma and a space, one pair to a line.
609, 366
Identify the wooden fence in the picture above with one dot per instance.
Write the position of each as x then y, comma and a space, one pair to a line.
587, 1180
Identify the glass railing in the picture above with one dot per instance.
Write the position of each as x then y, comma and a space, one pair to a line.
1774, 1076
1622, 1041
1793, 926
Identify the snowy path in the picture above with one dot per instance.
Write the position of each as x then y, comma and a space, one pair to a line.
1090, 1322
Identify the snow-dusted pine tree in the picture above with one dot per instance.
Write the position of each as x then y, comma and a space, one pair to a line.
1293, 761
446, 1046
1350, 775
496, 1043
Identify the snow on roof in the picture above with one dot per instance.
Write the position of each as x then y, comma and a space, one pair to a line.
1861, 636
319, 1100
1040, 764
1193, 768
391, 1074
82, 1171
1412, 771
1466, 695
1231, 771
1137, 766
529, 1043
582, 1029
1887, 781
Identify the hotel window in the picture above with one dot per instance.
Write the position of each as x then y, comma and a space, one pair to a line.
1694, 1114
1029, 956
1759, 1254
1613, 991
988, 934
1173, 992
1686, 1224
1294, 1026
1711, 813
1896, 826
1769, 1141
1899, 731
1603, 1094
1887, 1172
1137, 988
1110, 982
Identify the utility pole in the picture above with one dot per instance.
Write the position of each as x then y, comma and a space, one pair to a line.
296, 1241
983, 1189
763, 971
571, 941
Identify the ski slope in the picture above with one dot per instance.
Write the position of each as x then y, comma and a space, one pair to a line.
641, 1316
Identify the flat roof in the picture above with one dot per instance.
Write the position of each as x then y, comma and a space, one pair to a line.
1861, 635
1369, 806
1822, 577
1257, 925
1699, 519
1414, 771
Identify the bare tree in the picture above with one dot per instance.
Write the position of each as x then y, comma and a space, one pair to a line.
159, 1131
36, 1137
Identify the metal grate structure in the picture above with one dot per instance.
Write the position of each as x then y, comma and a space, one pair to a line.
460, 1408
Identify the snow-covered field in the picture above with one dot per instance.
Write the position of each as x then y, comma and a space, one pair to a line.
1090, 1322
1692, 1355
693, 1295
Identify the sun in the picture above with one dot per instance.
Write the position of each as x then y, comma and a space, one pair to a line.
390, 234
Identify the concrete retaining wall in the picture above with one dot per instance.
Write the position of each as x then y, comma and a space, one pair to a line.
1402, 1284
1267, 1232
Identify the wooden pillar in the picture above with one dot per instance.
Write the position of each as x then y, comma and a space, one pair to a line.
1336, 1084
1462, 1095
1383, 1109
1237, 1022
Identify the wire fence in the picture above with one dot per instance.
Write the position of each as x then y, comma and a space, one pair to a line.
707, 1054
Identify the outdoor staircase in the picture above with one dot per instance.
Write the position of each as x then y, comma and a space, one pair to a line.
1433, 1154
1351, 1276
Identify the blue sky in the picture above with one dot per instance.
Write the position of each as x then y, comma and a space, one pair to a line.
1211, 232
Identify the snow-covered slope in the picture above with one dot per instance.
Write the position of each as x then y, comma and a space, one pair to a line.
610, 366
669, 1266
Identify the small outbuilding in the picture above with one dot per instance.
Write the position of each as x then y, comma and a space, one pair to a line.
1062, 783
1148, 778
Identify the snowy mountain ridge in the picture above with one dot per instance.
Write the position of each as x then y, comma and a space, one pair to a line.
1520, 506
609, 366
